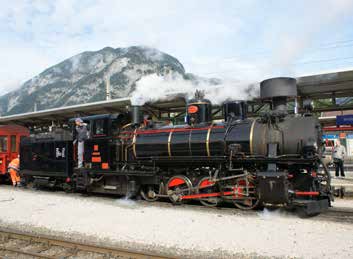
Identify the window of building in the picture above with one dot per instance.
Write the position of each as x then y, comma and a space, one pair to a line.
13, 144
3, 143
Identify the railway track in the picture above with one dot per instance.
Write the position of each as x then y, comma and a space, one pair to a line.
16, 244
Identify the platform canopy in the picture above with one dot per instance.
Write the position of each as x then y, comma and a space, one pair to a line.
326, 88
337, 84
63, 114
316, 87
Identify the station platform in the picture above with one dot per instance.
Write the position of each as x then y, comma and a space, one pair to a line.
343, 185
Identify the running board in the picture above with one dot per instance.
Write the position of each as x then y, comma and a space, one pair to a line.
110, 187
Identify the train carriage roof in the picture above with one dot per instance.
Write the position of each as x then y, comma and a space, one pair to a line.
329, 85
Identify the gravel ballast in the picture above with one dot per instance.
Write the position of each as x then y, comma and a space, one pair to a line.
181, 231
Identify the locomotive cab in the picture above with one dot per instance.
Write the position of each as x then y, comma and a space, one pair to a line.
101, 148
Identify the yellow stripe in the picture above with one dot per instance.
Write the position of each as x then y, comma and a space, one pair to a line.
251, 136
198, 103
126, 125
208, 141
134, 144
169, 143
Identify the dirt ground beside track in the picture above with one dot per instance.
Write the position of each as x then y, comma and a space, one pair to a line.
186, 231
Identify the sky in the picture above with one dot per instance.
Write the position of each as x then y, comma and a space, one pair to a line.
252, 39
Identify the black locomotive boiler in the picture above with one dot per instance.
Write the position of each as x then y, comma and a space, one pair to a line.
272, 160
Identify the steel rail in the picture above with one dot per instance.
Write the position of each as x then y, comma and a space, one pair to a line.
72, 245
18, 251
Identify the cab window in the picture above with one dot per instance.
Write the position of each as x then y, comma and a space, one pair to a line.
3, 143
13, 144
100, 127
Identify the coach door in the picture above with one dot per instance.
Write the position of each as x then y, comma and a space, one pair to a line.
13, 146
3, 153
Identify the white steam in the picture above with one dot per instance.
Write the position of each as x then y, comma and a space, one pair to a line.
272, 214
126, 202
155, 87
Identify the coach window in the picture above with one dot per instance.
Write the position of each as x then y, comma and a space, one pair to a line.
13, 144
3, 143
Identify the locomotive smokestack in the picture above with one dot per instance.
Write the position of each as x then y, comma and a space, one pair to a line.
136, 115
278, 90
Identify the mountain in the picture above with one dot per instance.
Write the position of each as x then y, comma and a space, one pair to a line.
81, 78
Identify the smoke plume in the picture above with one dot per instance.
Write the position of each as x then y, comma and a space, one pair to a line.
155, 87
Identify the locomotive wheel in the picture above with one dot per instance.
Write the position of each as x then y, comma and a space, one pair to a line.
177, 187
240, 199
148, 192
206, 186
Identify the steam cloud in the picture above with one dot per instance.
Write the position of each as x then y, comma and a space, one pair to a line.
155, 87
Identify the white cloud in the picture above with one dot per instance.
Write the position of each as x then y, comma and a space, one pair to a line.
20, 63
215, 38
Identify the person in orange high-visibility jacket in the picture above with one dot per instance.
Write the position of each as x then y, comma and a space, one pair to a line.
13, 169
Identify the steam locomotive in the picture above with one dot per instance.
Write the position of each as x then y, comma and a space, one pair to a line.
272, 160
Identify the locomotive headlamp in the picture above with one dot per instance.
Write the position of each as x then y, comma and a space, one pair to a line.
193, 109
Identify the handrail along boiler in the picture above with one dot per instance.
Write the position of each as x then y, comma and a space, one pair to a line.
271, 160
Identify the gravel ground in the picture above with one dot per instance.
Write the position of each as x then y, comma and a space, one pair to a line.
185, 231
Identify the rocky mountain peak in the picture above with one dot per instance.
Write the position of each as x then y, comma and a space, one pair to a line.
81, 78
